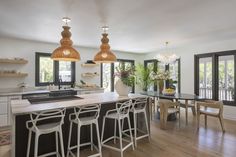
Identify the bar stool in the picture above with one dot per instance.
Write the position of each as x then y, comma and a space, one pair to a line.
87, 115
119, 114
39, 125
139, 106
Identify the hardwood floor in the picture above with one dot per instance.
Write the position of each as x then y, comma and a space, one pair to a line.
185, 141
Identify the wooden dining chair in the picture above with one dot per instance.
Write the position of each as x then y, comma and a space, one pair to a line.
168, 107
210, 108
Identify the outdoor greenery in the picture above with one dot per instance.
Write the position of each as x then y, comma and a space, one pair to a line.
143, 76
46, 69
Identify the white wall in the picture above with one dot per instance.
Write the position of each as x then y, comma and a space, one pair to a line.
11, 48
186, 54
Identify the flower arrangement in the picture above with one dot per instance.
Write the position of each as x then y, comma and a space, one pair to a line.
160, 75
126, 74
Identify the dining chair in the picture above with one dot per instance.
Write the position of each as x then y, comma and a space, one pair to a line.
190, 105
210, 108
168, 107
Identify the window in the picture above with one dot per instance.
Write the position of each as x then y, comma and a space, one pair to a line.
107, 73
48, 71
215, 76
174, 69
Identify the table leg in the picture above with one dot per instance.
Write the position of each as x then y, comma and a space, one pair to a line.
186, 111
163, 116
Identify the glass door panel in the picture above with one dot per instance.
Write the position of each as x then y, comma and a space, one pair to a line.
205, 77
174, 74
150, 65
226, 78
106, 77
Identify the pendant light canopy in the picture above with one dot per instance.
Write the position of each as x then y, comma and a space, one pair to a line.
66, 52
105, 55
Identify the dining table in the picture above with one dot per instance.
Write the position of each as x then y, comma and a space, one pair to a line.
176, 97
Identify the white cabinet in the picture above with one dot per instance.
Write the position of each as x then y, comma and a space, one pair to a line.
3, 111
3, 120
10, 98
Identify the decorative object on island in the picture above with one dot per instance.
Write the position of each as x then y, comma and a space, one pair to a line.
142, 76
167, 58
126, 79
66, 52
160, 77
105, 55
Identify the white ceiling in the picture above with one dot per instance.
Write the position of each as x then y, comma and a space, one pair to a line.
135, 25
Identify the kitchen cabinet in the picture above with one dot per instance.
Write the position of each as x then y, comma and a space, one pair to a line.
5, 109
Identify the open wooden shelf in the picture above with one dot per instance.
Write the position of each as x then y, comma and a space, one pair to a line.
89, 75
13, 61
89, 65
13, 74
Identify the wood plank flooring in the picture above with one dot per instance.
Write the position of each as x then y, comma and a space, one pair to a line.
185, 141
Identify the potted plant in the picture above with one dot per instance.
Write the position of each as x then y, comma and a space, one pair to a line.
126, 80
143, 76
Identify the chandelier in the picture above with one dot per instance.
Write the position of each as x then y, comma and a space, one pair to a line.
105, 55
66, 52
167, 58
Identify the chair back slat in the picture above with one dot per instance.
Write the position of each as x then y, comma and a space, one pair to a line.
139, 103
124, 108
56, 115
92, 110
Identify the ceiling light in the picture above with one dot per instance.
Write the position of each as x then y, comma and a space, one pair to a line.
66, 52
167, 58
105, 55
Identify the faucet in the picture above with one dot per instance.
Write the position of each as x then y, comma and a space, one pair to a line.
59, 83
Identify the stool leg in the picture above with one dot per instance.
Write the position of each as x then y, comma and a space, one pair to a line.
78, 141
146, 123
115, 133
103, 126
98, 138
29, 143
130, 132
91, 136
69, 140
120, 136
36, 144
135, 130
56, 137
62, 143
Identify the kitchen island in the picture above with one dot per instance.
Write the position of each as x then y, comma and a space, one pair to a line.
22, 108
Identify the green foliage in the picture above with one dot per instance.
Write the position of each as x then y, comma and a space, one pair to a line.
142, 76
126, 74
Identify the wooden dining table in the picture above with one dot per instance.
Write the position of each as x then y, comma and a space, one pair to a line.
176, 97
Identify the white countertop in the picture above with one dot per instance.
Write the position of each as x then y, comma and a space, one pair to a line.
24, 107
10, 93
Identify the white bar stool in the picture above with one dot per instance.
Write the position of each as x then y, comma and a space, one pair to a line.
87, 115
39, 125
119, 114
139, 106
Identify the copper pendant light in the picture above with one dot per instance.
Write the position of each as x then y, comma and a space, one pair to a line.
105, 55
66, 52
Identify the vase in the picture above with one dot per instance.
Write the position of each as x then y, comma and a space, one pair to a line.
121, 88
160, 85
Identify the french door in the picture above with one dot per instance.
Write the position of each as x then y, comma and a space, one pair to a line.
215, 76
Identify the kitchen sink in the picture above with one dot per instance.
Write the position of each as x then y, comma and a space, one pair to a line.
50, 99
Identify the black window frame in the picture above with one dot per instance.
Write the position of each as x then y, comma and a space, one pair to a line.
55, 71
113, 71
155, 67
215, 75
